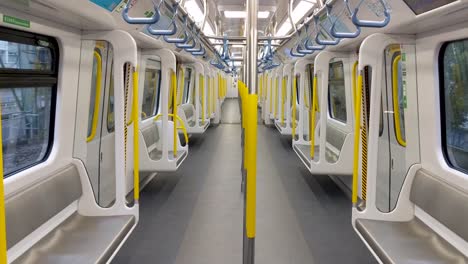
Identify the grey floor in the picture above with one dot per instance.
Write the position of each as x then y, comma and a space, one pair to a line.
194, 216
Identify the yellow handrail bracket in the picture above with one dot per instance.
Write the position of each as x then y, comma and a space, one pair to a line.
97, 96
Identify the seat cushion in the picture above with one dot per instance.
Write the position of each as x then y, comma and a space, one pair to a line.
33, 206
444, 202
150, 134
156, 154
80, 239
408, 242
304, 153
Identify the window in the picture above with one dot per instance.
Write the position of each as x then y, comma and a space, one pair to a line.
298, 84
336, 92
28, 80
151, 93
454, 102
187, 81
110, 107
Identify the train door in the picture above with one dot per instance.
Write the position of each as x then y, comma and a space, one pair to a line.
98, 154
393, 165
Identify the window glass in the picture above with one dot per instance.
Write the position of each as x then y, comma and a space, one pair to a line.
151, 93
454, 103
298, 84
336, 92
187, 81
19, 56
110, 106
27, 101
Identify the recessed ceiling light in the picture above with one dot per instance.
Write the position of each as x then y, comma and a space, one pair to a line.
242, 14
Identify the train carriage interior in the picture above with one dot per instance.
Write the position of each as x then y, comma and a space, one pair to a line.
234, 131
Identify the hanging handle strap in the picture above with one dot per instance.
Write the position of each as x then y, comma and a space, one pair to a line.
370, 23
337, 34
141, 20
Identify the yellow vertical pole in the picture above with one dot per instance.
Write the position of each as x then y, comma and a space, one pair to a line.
294, 108
174, 112
251, 187
276, 97
202, 92
3, 246
136, 153
312, 122
357, 129
283, 99
271, 95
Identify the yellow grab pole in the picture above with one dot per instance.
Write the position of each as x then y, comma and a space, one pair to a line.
276, 97
271, 95
174, 111
97, 98
283, 100
294, 108
136, 153
202, 92
312, 118
357, 129
260, 82
3, 245
251, 188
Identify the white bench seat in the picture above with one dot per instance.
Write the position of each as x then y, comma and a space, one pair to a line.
414, 241
80, 239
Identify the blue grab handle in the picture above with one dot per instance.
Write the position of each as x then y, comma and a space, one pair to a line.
313, 47
187, 45
202, 52
326, 42
194, 49
294, 54
336, 34
370, 23
140, 20
164, 32
176, 40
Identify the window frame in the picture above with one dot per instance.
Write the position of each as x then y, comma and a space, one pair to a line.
24, 78
443, 119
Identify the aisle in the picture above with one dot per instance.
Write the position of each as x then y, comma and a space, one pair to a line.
301, 218
194, 216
